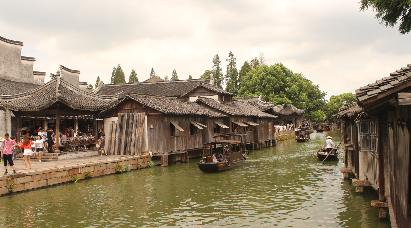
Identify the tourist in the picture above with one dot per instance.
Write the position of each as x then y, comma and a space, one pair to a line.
50, 140
8, 146
39, 147
25, 145
329, 144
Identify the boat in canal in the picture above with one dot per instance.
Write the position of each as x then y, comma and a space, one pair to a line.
302, 135
324, 155
224, 153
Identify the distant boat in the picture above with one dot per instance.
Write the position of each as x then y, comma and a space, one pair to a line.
222, 155
323, 155
302, 135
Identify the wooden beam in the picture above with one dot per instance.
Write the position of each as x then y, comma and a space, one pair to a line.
57, 132
404, 99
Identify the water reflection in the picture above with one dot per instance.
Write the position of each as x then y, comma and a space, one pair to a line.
281, 186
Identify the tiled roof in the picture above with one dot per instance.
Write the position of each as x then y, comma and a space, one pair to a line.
173, 105
260, 104
154, 79
166, 88
57, 90
284, 110
385, 86
8, 87
234, 108
287, 109
27, 58
11, 41
69, 70
349, 111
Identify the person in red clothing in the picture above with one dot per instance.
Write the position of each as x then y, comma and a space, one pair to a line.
26, 144
8, 146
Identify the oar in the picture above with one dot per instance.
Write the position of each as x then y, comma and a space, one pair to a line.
330, 152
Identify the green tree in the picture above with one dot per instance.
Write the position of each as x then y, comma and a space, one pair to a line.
117, 75
217, 73
254, 63
336, 102
243, 72
174, 76
133, 77
232, 74
207, 75
113, 75
98, 81
152, 73
279, 85
120, 77
190, 77
391, 12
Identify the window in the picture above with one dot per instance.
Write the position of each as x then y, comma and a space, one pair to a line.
368, 135
193, 129
173, 130
217, 129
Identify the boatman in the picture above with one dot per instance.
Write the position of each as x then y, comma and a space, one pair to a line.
329, 144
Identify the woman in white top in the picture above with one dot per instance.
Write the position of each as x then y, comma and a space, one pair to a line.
39, 147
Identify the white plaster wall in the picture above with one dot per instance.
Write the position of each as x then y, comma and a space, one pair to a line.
5, 123
72, 78
11, 65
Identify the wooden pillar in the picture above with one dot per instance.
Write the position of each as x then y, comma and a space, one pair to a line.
57, 133
76, 126
146, 148
18, 130
45, 124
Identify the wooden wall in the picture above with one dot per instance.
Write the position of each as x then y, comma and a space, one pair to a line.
395, 134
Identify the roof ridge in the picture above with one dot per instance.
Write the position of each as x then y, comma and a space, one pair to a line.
69, 70
9, 41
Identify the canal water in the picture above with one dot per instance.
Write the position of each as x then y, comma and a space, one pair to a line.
283, 186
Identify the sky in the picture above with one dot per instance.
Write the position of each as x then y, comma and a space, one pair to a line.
332, 43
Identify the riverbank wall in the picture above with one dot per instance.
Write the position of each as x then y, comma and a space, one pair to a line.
285, 135
70, 172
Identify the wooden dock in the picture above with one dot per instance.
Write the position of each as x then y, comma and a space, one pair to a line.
46, 174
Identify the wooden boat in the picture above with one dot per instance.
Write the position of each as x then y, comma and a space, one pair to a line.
302, 135
322, 155
222, 154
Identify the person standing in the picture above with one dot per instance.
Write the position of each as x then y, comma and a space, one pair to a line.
39, 145
8, 146
25, 145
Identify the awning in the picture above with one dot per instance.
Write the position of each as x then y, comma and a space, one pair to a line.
221, 124
240, 124
175, 124
195, 124
252, 123
204, 126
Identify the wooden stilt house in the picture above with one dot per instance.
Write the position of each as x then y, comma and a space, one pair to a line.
244, 119
165, 126
384, 142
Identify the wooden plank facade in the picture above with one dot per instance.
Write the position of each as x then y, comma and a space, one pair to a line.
378, 144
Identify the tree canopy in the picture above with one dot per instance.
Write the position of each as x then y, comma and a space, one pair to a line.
174, 76
98, 81
232, 74
391, 12
117, 75
336, 102
152, 73
215, 74
216, 71
133, 77
190, 77
279, 85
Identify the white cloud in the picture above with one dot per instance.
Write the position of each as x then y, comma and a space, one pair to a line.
331, 42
